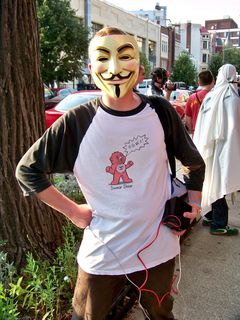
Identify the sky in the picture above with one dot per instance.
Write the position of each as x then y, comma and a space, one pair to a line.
187, 10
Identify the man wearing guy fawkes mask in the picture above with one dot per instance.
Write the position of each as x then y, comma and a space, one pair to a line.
115, 147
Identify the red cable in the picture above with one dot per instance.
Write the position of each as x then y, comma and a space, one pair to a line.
141, 288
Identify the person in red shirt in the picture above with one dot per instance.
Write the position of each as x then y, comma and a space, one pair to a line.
206, 81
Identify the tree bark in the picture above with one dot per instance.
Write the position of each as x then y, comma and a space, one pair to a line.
26, 223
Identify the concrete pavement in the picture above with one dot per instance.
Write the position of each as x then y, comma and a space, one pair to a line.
210, 282
209, 287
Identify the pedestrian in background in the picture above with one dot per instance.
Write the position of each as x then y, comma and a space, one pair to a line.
217, 137
161, 83
206, 81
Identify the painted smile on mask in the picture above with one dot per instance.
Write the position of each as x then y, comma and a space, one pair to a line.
118, 76
116, 80
114, 64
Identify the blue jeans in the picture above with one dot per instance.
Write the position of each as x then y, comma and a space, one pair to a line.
218, 214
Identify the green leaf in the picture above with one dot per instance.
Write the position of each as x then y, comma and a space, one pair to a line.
46, 315
63, 41
184, 69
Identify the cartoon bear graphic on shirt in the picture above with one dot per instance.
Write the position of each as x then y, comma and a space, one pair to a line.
118, 168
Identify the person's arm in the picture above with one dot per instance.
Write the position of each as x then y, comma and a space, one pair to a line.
169, 87
185, 151
80, 215
192, 163
55, 152
194, 199
168, 94
193, 170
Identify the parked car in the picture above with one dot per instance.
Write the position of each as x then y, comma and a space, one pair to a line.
193, 88
50, 100
144, 86
178, 99
63, 92
180, 85
69, 102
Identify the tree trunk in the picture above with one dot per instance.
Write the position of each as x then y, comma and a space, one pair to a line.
26, 223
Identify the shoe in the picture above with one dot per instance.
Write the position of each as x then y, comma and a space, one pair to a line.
206, 222
227, 231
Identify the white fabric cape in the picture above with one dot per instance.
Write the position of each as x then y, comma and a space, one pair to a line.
217, 137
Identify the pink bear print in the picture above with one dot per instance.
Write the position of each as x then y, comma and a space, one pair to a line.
118, 168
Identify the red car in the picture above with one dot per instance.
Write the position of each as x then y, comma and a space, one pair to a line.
70, 102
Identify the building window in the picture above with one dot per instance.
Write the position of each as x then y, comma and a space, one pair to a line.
205, 44
152, 47
164, 46
152, 52
204, 58
96, 27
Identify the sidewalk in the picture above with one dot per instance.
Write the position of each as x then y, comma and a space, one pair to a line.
209, 288
210, 283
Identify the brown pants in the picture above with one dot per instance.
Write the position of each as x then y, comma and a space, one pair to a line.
94, 294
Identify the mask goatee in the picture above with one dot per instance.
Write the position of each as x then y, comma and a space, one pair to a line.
117, 90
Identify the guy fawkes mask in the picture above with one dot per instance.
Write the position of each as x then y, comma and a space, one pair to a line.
114, 63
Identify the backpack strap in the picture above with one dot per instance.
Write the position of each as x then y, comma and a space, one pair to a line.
161, 105
200, 102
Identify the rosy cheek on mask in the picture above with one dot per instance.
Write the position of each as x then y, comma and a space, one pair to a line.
100, 68
131, 65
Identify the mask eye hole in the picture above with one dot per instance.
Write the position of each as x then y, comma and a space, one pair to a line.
102, 59
125, 57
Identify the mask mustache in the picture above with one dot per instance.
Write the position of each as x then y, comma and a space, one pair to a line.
118, 76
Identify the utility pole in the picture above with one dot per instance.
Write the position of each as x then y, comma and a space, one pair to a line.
227, 45
87, 14
85, 78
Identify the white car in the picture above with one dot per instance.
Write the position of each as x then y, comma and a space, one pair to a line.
144, 86
179, 94
178, 100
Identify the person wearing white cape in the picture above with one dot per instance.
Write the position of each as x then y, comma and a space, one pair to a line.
217, 137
